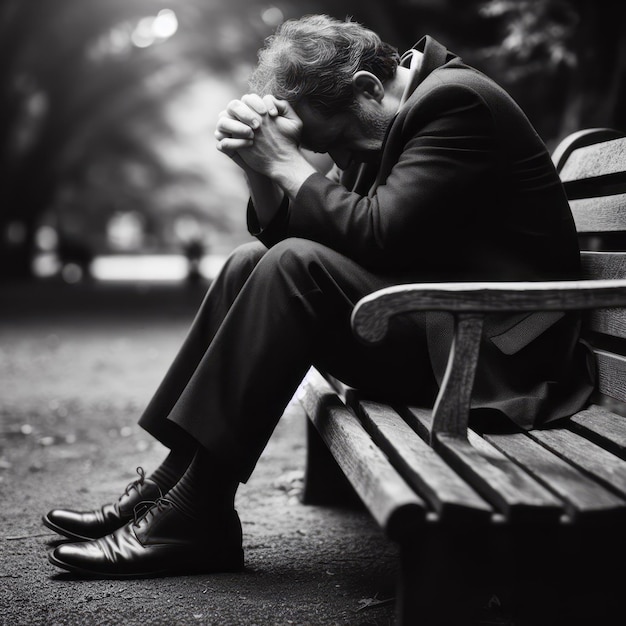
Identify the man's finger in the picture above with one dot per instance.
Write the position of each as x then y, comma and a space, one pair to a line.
230, 127
284, 108
270, 105
230, 145
255, 102
242, 112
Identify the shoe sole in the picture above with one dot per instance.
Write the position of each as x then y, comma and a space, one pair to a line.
171, 571
65, 533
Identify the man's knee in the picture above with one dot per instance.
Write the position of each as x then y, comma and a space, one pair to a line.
294, 254
245, 257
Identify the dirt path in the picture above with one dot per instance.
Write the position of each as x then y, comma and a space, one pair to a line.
76, 368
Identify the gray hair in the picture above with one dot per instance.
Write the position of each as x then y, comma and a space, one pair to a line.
315, 57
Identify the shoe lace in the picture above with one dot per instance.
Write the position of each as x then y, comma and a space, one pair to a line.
136, 483
142, 509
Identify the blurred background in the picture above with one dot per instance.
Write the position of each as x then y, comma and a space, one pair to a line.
116, 210
108, 167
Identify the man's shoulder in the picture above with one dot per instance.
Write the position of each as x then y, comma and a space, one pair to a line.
444, 89
455, 77
455, 84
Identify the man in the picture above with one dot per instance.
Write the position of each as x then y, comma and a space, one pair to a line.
438, 176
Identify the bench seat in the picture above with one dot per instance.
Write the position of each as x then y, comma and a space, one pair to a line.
473, 512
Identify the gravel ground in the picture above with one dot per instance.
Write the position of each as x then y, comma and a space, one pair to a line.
77, 365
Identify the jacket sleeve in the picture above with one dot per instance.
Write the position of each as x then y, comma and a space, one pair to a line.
273, 232
277, 229
444, 158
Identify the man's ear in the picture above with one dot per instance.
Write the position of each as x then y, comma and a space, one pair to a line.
367, 85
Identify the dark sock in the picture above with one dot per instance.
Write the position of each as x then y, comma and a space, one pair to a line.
206, 488
172, 468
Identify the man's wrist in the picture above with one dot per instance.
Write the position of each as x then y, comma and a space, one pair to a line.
291, 175
266, 196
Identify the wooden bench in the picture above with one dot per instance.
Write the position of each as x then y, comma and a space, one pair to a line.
496, 528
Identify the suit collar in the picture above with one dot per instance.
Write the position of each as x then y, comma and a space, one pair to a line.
435, 56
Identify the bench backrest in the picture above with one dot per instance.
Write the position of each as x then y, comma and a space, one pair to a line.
592, 166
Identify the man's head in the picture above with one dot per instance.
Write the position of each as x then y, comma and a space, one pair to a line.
330, 71
315, 59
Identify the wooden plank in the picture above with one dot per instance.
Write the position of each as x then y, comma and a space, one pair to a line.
604, 466
611, 374
420, 420
602, 426
585, 499
600, 214
608, 322
518, 496
600, 159
606, 266
394, 505
603, 265
580, 138
371, 314
422, 467
452, 406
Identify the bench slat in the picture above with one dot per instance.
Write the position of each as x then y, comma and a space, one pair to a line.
611, 374
519, 497
600, 159
606, 266
586, 455
422, 467
579, 139
512, 491
394, 505
585, 499
603, 426
602, 214
608, 322
603, 265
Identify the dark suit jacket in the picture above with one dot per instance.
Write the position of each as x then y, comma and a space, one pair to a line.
465, 190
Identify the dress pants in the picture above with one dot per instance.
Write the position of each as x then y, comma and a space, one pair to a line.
268, 317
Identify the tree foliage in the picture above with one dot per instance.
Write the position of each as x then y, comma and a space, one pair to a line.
86, 95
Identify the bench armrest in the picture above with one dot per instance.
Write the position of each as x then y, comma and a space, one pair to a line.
372, 313
469, 303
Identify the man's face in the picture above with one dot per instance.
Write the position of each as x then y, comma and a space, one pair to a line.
356, 135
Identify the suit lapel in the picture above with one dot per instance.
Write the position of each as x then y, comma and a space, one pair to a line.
435, 56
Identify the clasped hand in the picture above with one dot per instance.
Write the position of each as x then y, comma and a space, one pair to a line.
259, 133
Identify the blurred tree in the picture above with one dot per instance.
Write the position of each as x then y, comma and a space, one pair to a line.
84, 83
565, 61
44, 91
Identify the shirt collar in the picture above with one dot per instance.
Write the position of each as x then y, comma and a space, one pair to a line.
409, 59
434, 56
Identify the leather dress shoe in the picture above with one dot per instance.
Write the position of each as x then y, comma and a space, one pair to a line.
93, 524
164, 541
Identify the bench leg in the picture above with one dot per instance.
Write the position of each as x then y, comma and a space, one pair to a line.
449, 576
569, 575
527, 576
324, 482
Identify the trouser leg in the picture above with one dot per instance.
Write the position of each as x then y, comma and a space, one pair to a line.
291, 312
247, 352
211, 313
